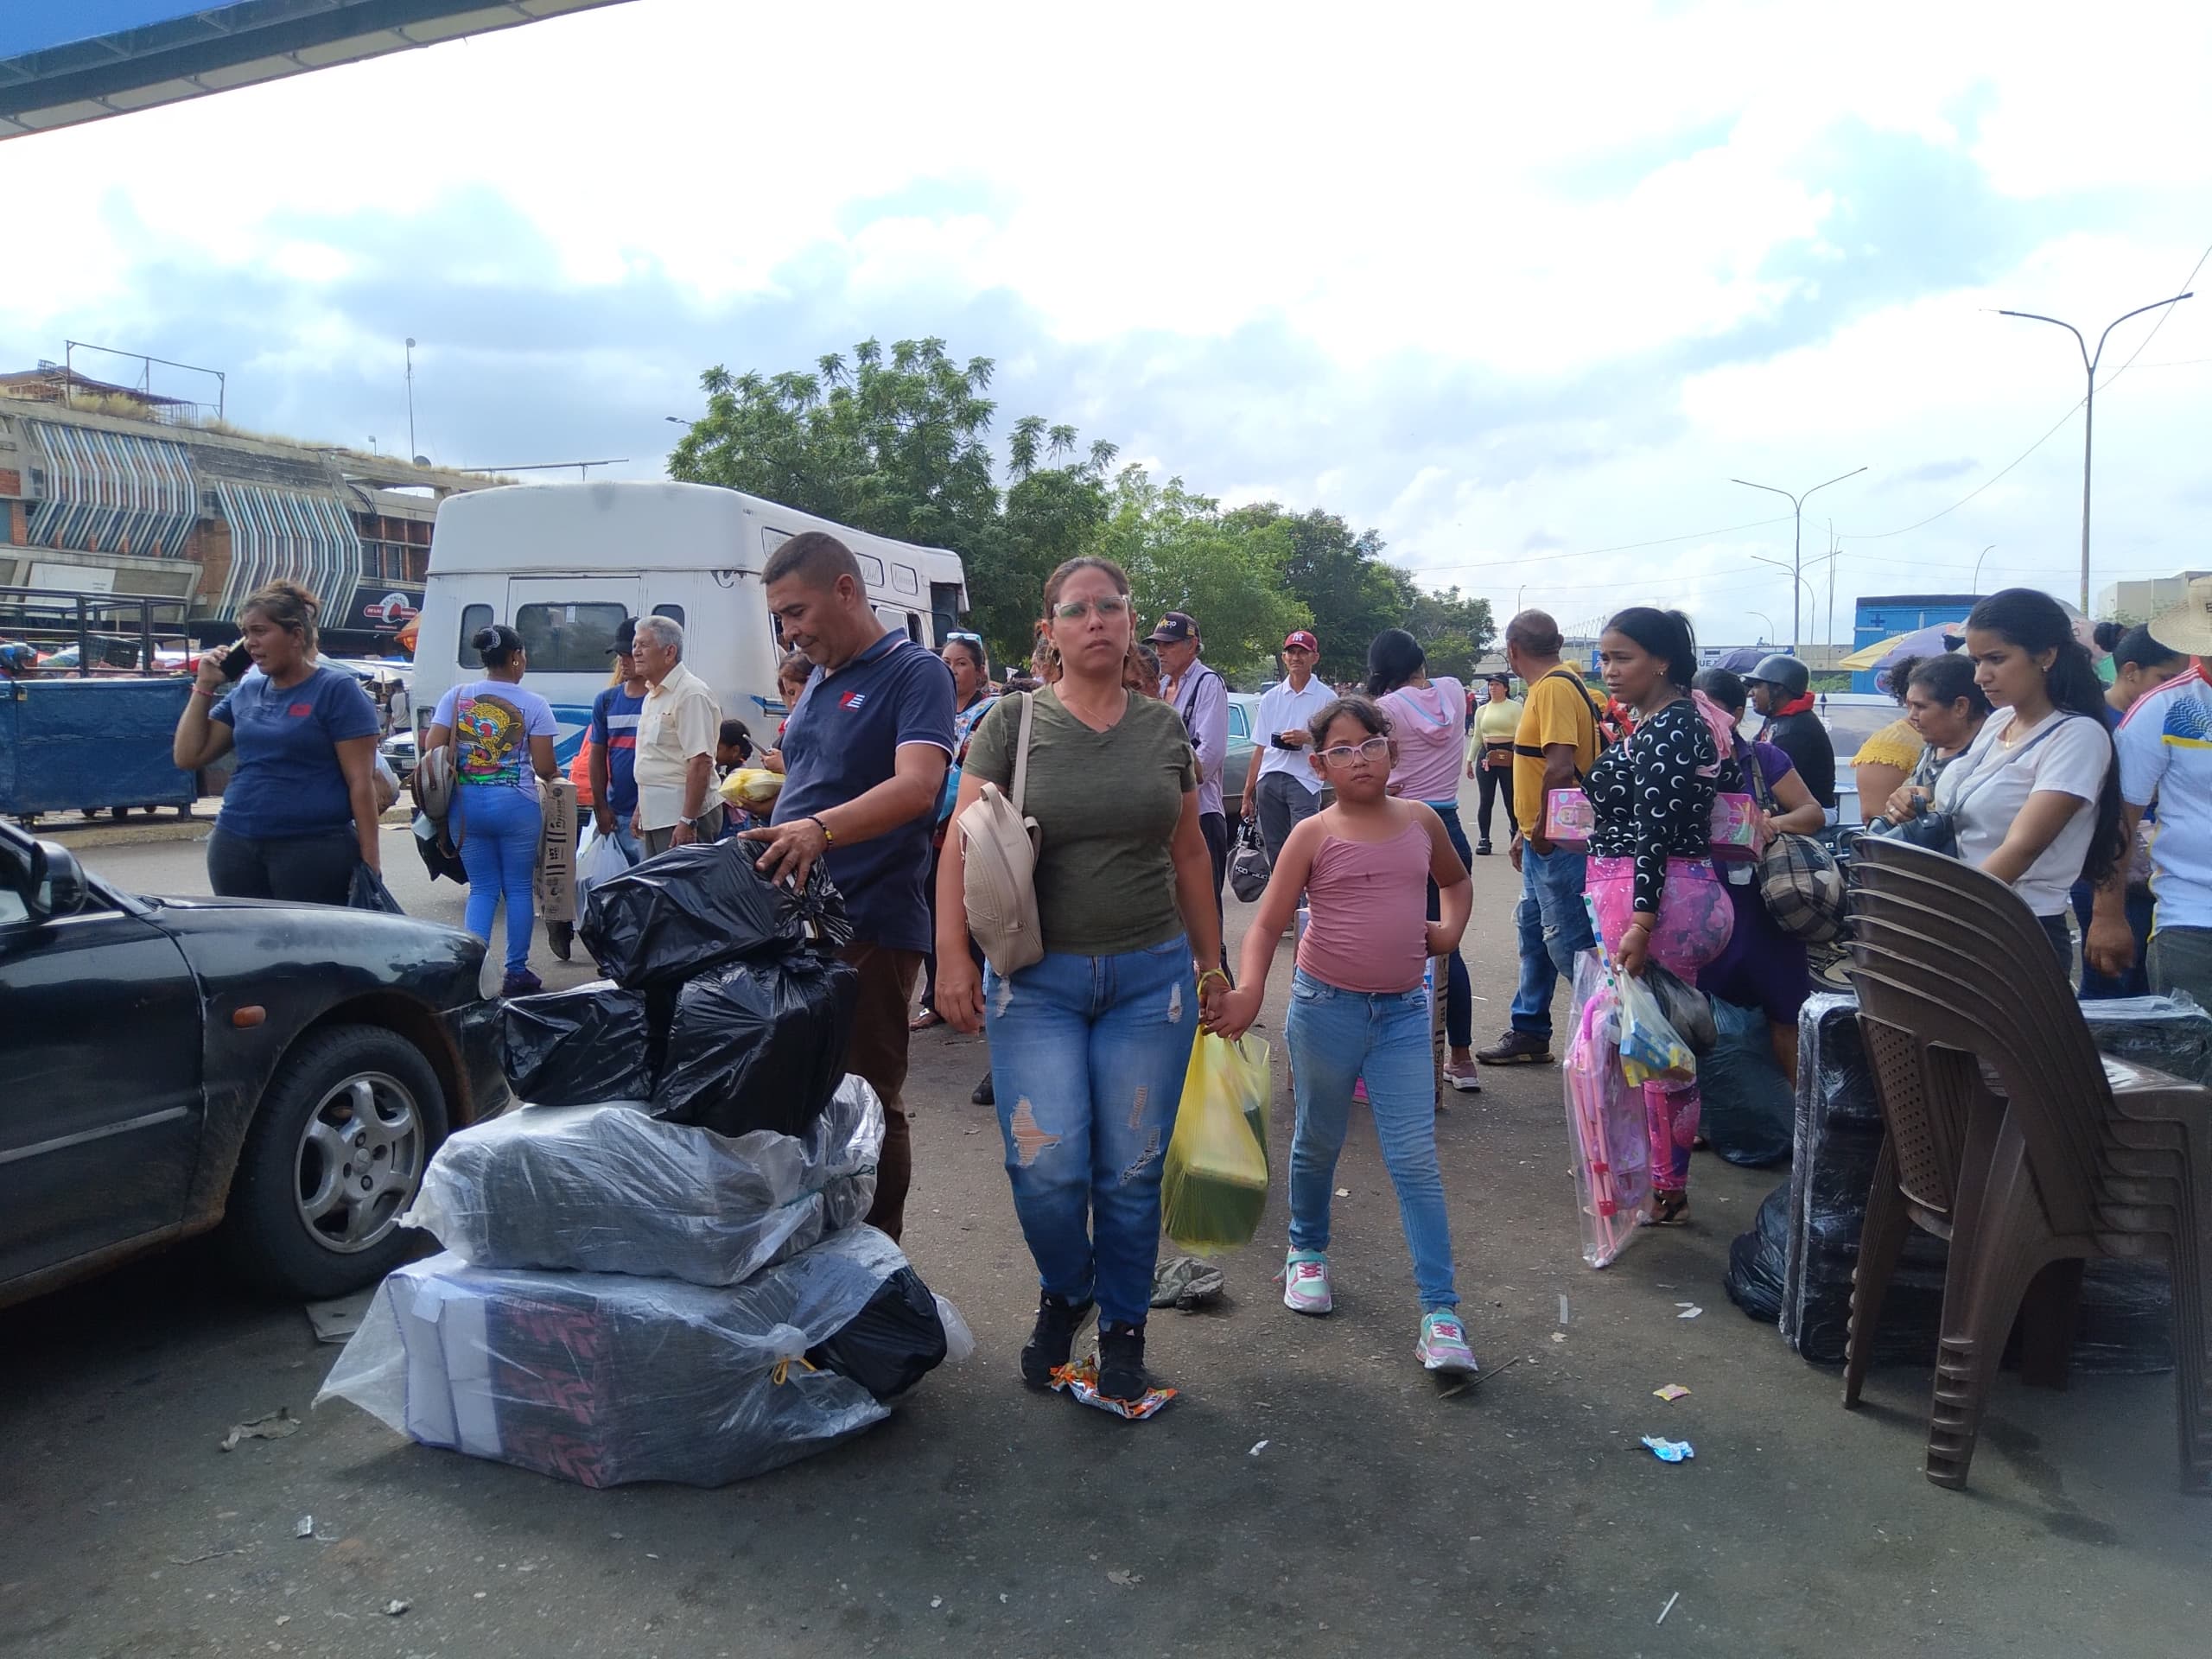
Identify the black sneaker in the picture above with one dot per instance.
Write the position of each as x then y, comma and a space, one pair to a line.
1053, 1339
1122, 1374
985, 1095
1481, 849
562, 936
1516, 1047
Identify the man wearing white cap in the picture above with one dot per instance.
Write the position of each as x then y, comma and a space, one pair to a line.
2166, 754
1280, 791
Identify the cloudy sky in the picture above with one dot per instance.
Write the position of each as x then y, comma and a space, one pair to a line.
1513, 291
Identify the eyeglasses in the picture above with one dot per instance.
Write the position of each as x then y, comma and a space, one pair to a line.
1074, 610
1374, 751
957, 634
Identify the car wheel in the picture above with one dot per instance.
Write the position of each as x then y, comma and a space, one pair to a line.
334, 1155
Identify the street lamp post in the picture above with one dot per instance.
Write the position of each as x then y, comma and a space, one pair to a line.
411, 451
1763, 616
2089, 362
1984, 554
1797, 537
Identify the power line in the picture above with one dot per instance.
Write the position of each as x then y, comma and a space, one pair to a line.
2062, 421
1591, 552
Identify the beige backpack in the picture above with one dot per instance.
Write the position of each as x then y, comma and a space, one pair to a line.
998, 848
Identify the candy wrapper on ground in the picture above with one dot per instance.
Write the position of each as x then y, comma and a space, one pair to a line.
603, 1378
1609, 1142
1079, 1380
611, 1189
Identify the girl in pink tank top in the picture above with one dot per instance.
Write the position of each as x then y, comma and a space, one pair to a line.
1358, 1008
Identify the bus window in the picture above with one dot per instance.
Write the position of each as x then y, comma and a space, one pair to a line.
568, 638
473, 618
914, 627
673, 612
903, 579
871, 568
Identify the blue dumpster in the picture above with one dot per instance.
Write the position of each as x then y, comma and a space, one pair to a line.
66, 744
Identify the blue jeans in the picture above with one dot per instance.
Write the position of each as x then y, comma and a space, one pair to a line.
2136, 982
499, 830
1335, 1038
1555, 928
1459, 994
1088, 1055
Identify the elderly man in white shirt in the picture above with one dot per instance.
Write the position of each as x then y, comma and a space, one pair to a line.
677, 729
1280, 791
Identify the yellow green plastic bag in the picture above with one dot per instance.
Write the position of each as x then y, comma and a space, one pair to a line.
1213, 1186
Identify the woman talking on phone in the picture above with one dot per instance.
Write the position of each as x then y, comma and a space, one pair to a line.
300, 811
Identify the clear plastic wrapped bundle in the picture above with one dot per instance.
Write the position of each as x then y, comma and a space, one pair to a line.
611, 1189
605, 1379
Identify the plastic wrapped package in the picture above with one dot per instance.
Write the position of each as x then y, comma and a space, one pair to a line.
694, 906
758, 1045
611, 1189
1607, 1136
603, 1378
1749, 1112
576, 1047
1213, 1183
2125, 1306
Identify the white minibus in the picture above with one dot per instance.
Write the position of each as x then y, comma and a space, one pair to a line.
563, 564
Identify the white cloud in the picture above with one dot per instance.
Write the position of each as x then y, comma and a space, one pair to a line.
1497, 209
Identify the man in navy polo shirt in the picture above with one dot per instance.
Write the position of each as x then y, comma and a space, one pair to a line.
865, 752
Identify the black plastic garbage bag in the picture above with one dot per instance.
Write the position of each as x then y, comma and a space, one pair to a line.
579, 1047
368, 892
1756, 1260
758, 1044
693, 907
893, 1343
610, 1189
1750, 1114
1687, 1008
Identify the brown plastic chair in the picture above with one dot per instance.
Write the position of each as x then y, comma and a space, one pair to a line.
2008, 1135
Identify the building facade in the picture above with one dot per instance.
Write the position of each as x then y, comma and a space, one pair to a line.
106, 490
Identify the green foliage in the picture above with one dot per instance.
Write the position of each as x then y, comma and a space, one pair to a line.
1184, 553
899, 444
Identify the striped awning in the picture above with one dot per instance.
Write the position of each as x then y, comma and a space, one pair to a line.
309, 540
112, 493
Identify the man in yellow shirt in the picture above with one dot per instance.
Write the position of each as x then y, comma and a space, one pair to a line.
1553, 746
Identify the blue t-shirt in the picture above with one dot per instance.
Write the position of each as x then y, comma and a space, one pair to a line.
289, 782
614, 728
842, 740
493, 722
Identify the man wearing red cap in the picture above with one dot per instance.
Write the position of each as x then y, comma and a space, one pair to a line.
1201, 696
1280, 791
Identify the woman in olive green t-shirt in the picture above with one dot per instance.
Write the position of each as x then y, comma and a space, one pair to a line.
1090, 1045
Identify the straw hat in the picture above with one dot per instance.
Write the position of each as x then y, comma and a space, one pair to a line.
2188, 626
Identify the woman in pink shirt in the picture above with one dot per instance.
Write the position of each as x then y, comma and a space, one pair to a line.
1358, 1010
1429, 720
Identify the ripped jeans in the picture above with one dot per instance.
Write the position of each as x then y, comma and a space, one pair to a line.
1088, 1055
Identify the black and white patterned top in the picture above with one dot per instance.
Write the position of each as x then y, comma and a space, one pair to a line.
1650, 803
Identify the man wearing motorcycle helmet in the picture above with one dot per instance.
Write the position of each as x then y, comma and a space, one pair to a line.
1781, 688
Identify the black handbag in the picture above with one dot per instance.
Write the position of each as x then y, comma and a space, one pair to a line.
1938, 831
1249, 869
368, 892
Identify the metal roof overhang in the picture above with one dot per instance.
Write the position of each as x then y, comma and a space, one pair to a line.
58, 75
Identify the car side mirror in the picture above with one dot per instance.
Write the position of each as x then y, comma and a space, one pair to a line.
57, 886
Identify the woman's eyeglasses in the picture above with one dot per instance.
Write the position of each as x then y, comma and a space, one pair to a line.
1074, 610
957, 634
1374, 751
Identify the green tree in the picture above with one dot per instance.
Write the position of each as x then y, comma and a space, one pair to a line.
1184, 553
899, 444
1454, 629
1341, 580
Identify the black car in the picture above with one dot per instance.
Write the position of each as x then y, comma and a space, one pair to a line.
171, 1065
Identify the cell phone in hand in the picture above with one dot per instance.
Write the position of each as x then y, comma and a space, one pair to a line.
236, 662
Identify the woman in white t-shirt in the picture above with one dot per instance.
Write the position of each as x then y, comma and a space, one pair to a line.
2036, 798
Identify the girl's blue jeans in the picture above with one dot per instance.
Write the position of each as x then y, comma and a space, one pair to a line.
1088, 1055
1335, 1038
500, 830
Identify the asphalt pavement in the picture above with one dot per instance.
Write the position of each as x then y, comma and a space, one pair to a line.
1312, 1491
